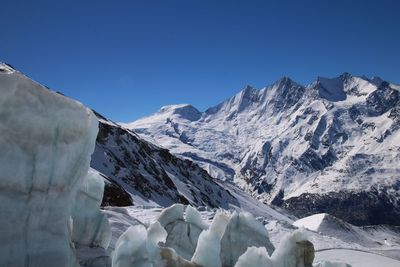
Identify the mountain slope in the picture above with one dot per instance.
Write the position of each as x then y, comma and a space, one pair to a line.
149, 174
332, 146
371, 236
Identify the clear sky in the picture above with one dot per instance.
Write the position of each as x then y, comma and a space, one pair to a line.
126, 59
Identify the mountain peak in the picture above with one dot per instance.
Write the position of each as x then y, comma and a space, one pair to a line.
345, 76
286, 81
376, 80
248, 88
185, 111
247, 91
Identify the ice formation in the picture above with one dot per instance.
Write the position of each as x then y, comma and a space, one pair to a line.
254, 257
139, 247
218, 245
171, 214
242, 231
183, 229
193, 217
90, 225
294, 251
46, 142
209, 244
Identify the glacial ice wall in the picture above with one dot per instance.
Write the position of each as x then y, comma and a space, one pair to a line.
90, 226
139, 247
183, 227
46, 142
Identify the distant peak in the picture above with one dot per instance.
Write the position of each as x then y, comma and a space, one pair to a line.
173, 107
376, 80
247, 89
245, 93
345, 75
186, 111
286, 81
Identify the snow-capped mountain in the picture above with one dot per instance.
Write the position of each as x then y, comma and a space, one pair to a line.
51, 200
332, 146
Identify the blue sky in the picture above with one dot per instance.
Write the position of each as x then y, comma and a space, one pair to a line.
126, 59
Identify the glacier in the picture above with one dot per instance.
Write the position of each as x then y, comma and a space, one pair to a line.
183, 226
139, 247
248, 244
241, 232
254, 257
208, 248
90, 226
46, 144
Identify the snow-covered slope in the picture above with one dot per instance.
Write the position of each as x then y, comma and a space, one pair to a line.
332, 146
151, 175
371, 237
140, 173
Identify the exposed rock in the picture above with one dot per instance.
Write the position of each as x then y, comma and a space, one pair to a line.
115, 195
305, 254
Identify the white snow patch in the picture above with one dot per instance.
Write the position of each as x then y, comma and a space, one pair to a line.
311, 222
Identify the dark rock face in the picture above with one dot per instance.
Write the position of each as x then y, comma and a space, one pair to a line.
310, 161
382, 99
395, 115
289, 94
115, 195
305, 253
332, 90
367, 208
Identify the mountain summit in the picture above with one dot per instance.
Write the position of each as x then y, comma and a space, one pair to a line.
331, 146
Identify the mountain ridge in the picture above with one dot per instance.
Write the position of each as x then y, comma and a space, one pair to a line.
285, 140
